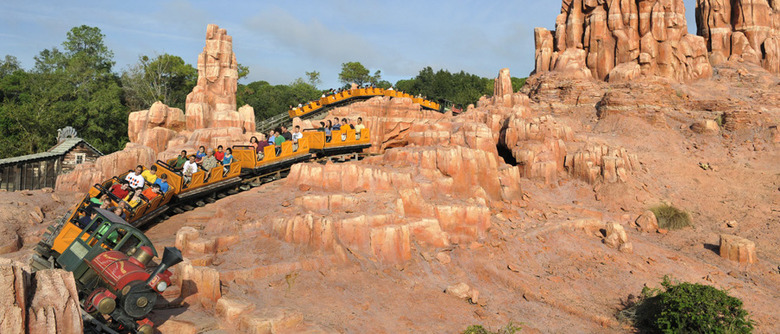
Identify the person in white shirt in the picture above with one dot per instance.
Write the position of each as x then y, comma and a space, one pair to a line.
135, 179
190, 167
297, 134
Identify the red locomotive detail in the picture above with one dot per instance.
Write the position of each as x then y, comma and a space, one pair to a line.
118, 270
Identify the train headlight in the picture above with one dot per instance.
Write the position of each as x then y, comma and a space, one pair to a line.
162, 286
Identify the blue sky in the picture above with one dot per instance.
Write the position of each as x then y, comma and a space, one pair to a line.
281, 40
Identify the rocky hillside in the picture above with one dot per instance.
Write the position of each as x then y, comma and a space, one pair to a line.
529, 207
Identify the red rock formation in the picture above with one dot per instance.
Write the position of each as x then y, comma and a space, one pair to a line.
85, 175
619, 40
601, 163
741, 30
537, 144
161, 132
46, 302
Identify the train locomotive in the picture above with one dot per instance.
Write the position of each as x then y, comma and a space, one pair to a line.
111, 263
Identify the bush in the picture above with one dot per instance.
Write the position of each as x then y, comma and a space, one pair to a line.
688, 308
670, 217
510, 328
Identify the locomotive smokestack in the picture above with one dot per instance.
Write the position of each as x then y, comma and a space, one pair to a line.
171, 256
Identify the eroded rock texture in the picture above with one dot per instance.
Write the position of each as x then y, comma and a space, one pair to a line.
742, 30
46, 302
619, 40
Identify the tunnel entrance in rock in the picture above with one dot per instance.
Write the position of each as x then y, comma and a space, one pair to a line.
506, 154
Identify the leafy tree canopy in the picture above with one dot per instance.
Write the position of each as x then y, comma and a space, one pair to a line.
164, 78
355, 72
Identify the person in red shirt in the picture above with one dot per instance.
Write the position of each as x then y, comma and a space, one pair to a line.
219, 154
120, 189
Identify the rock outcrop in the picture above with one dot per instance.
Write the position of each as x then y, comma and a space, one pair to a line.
737, 249
741, 30
621, 40
46, 302
211, 119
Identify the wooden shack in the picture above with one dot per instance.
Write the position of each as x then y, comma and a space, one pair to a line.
40, 170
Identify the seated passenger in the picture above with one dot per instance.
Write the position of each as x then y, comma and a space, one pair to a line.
219, 154
121, 189
253, 142
345, 124
278, 142
162, 181
201, 154
297, 134
322, 127
209, 161
190, 168
134, 199
150, 175
86, 219
285, 133
328, 131
336, 126
359, 127
100, 200
135, 179
271, 137
180, 160
119, 211
152, 191
227, 160
261, 148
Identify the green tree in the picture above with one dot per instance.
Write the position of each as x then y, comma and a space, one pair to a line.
164, 78
243, 71
9, 65
355, 72
313, 78
75, 87
271, 100
459, 88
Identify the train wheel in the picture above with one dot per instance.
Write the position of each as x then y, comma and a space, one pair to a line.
209, 200
186, 207
200, 204
221, 195
177, 210
232, 192
244, 187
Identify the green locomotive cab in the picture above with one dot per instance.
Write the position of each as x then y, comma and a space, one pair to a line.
105, 232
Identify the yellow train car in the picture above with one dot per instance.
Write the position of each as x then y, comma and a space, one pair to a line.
272, 158
339, 142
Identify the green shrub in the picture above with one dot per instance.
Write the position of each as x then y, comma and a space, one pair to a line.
510, 328
670, 217
720, 120
688, 308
